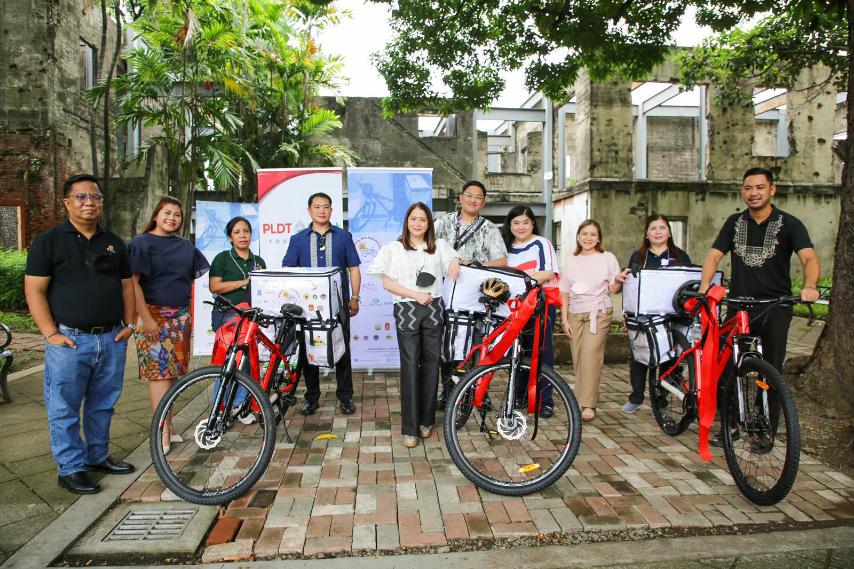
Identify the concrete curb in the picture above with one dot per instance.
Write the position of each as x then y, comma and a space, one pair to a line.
25, 372
52, 541
684, 550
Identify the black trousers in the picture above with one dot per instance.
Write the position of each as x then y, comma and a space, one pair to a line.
343, 370
773, 328
638, 376
419, 339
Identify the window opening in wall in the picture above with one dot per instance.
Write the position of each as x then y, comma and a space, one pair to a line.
679, 231
556, 235
436, 125
11, 227
87, 64
770, 125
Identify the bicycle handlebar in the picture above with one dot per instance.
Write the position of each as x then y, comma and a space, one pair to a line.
256, 314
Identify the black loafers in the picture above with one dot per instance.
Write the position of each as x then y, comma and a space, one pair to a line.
112, 466
347, 406
309, 408
547, 412
79, 483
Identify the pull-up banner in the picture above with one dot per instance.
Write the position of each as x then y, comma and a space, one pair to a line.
283, 203
377, 202
211, 218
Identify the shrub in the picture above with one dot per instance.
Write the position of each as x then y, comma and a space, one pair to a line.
819, 310
12, 265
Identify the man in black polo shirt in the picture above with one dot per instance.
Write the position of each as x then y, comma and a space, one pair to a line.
79, 289
762, 239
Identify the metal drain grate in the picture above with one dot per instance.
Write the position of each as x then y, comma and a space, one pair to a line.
148, 525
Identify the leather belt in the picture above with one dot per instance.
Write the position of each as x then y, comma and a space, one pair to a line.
96, 330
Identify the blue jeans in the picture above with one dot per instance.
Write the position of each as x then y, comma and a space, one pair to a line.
91, 376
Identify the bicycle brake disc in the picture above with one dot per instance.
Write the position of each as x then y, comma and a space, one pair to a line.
512, 427
204, 439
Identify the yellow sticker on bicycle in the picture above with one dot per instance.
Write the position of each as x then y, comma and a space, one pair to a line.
528, 468
325, 437
762, 385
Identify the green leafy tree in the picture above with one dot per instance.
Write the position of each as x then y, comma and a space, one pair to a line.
450, 56
225, 84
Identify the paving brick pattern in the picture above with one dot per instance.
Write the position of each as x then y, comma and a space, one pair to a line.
364, 491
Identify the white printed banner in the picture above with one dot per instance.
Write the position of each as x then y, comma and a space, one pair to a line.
211, 218
283, 205
377, 202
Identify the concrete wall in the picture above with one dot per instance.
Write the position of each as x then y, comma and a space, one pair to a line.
672, 148
44, 118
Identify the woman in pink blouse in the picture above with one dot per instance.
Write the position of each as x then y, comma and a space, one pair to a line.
586, 283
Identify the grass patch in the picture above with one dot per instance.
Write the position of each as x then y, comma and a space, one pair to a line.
819, 310
18, 321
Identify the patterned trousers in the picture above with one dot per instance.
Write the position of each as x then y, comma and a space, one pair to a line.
419, 339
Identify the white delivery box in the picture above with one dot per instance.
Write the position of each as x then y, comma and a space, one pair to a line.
324, 342
651, 291
317, 290
464, 293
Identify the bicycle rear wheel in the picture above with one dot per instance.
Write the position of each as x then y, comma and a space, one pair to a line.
671, 414
215, 464
498, 453
763, 447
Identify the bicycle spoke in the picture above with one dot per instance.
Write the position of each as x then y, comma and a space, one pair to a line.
498, 451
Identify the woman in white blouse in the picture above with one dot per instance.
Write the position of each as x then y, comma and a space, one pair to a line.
412, 268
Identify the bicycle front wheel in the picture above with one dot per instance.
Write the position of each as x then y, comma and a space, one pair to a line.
500, 453
761, 435
225, 450
674, 413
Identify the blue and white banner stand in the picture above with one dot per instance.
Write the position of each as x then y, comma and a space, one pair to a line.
377, 202
211, 239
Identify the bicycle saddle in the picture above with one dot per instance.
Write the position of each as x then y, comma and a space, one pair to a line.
289, 309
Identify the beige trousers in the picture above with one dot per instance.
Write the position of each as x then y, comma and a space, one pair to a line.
588, 354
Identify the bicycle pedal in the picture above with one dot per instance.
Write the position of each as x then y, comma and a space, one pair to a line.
288, 400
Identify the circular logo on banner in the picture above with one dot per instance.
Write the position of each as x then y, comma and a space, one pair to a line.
367, 247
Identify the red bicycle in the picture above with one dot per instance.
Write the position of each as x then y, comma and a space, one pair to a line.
226, 414
759, 423
495, 437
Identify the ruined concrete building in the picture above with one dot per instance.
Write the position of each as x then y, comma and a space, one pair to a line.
619, 150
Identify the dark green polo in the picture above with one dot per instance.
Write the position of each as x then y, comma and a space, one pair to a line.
230, 266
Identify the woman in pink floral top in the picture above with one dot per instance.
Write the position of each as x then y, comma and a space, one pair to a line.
586, 283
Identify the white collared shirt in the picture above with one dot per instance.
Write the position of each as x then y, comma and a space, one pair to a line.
403, 266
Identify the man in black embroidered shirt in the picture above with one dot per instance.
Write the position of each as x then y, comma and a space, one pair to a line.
762, 239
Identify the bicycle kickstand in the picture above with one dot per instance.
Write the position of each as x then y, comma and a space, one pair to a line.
283, 408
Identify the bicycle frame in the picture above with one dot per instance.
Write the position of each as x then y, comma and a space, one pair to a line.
506, 336
718, 347
245, 337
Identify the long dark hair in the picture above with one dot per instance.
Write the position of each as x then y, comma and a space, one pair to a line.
581, 226
429, 236
675, 253
513, 214
164, 201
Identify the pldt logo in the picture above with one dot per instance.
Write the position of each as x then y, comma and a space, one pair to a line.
368, 247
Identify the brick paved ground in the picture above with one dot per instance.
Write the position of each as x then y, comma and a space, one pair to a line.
364, 491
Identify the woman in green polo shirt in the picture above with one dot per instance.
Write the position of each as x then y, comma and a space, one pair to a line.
229, 275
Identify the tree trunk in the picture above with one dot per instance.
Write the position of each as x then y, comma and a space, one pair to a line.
829, 377
108, 198
96, 75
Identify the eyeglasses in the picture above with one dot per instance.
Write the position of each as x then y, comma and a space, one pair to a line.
475, 197
81, 198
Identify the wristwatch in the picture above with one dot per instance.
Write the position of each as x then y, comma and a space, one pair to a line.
355, 297
132, 326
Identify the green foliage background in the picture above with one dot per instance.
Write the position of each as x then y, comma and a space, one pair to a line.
12, 264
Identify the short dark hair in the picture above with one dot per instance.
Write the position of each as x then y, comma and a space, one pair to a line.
71, 180
319, 195
229, 227
757, 171
476, 183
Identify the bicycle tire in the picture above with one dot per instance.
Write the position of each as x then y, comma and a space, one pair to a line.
769, 479
565, 444
6, 334
674, 416
187, 460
